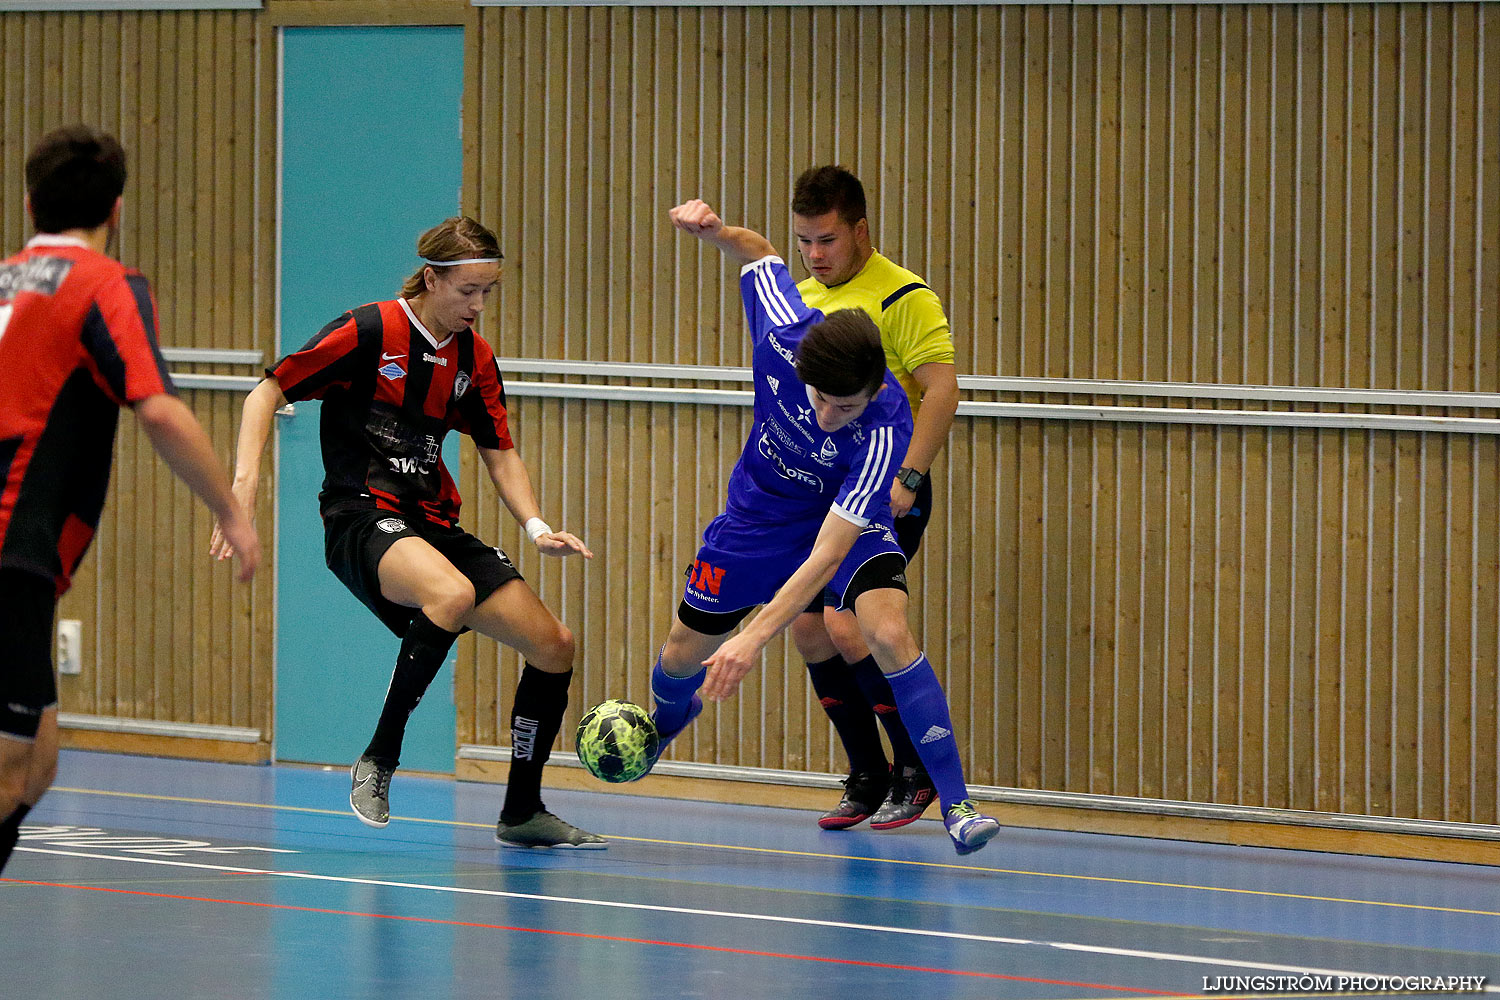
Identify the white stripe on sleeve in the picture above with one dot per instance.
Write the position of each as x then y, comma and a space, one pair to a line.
771, 297
877, 459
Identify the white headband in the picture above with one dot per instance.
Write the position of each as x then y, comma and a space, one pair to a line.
466, 260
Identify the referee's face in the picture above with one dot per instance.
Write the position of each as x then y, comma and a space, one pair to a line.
829, 246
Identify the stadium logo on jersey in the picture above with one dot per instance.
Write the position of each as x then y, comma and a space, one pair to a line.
795, 475
391, 525
776, 346
774, 383
460, 384
43, 275
393, 371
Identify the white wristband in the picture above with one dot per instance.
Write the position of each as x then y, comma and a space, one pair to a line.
536, 528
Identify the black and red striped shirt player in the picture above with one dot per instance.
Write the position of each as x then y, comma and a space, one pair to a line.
394, 378
392, 390
77, 343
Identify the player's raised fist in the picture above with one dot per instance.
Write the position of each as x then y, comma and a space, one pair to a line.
696, 218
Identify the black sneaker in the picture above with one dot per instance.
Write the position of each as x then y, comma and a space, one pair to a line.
863, 792
911, 793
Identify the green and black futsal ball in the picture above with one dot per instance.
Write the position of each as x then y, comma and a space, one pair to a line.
617, 741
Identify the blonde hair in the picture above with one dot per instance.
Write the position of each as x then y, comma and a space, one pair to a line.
452, 239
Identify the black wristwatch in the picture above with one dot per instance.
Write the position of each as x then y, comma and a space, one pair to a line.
911, 478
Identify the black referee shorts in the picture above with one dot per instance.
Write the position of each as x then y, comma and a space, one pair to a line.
28, 687
354, 541
909, 530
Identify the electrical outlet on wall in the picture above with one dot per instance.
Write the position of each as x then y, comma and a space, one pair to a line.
70, 646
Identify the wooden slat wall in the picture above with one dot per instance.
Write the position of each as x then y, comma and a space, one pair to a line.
1278, 194
167, 636
1282, 194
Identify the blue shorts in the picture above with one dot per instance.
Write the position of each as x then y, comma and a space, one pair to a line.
742, 565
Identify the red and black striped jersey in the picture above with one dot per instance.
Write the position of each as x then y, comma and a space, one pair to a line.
391, 391
77, 342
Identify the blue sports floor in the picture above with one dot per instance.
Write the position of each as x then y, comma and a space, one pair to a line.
140, 877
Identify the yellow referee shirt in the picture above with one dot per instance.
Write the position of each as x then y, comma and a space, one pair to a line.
913, 327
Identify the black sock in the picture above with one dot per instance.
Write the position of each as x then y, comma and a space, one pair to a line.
10, 832
423, 651
850, 713
541, 699
878, 692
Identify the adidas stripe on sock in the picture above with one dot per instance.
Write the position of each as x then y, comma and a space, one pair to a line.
923, 705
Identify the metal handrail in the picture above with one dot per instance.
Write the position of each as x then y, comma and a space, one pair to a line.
1063, 386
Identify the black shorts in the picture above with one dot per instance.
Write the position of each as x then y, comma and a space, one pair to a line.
354, 541
28, 687
909, 530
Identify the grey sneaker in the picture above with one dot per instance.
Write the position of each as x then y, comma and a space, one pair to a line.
370, 796
545, 830
911, 793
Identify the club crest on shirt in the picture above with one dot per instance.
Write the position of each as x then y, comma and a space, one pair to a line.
828, 452
391, 525
460, 385
393, 371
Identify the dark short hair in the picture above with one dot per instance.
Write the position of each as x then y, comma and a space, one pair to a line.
842, 356
74, 176
829, 189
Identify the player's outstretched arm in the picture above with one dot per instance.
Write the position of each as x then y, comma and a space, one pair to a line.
255, 427
741, 245
733, 660
182, 443
513, 483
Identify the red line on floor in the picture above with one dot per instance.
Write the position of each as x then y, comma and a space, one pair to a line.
600, 937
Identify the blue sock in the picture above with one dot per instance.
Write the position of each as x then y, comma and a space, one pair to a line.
923, 705
674, 698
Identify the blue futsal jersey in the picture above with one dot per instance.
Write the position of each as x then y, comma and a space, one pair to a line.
792, 472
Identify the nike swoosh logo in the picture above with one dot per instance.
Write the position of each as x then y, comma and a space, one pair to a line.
391, 357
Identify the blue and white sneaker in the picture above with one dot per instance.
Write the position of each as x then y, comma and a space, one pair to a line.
969, 828
695, 709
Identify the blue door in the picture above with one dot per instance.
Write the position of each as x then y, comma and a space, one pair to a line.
371, 156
